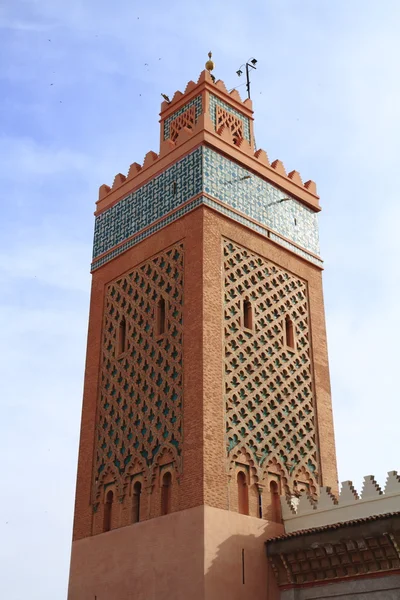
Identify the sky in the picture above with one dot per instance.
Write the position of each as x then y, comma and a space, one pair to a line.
80, 93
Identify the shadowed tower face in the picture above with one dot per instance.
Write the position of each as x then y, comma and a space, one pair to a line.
207, 389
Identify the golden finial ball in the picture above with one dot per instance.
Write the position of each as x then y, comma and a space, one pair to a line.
210, 64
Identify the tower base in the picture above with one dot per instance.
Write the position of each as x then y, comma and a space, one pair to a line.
202, 553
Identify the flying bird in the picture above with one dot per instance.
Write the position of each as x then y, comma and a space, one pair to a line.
166, 97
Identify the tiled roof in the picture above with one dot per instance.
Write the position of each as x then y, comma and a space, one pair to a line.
302, 532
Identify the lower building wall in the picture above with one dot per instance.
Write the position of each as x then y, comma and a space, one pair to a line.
158, 559
236, 566
376, 588
202, 553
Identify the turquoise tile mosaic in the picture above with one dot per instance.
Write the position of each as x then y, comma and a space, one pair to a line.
188, 208
145, 234
149, 203
206, 171
196, 102
258, 199
214, 102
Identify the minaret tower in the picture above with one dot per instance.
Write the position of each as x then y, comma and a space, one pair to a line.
207, 391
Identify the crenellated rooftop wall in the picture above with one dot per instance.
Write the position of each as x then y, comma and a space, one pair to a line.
305, 513
207, 113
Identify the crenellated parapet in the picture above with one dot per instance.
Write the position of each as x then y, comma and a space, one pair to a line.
306, 513
207, 113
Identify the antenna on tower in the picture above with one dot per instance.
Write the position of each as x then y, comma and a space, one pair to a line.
250, 64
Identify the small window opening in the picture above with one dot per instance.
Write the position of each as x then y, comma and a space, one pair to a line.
174, 188
137, 490
122, 336
243, 493
275, 502
166, 489
289, 332
243, 579
247, 314
295, 221
108, 511
161, 316
260, 512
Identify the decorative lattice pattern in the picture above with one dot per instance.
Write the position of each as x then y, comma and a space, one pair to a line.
186, 119
140, 405
268, 386
229, 120
216, 102
196, 103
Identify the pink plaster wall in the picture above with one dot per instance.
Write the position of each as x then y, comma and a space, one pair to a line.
157, 559
226, 534
194, 554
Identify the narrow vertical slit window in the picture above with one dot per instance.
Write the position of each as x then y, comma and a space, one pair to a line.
122, 336
166, 489
289, 332
243, 579
275, 502
247, 314
108, 511
243, 493
161, 316
137, 490
260, 511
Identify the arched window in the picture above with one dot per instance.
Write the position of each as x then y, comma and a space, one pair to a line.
289, 332
166, 488
247, 314
122, 336
243, 494
161, 316
275, 502
108, 511
137, 490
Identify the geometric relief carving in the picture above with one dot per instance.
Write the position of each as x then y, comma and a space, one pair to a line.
139, 415
186, 119
227, 119
269, 405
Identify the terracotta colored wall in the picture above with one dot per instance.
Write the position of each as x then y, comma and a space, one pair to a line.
202, 325
226, 535
145, 561
196, 554
189, 229
215, 465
